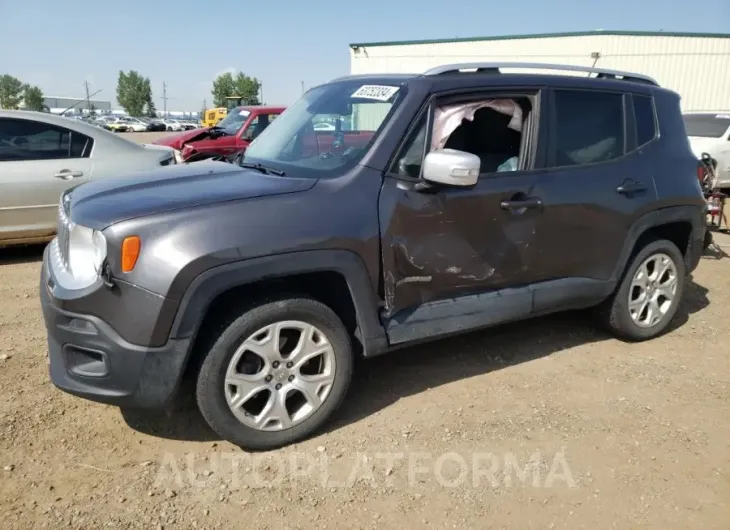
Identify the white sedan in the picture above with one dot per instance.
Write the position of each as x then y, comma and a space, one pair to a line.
134, 124
324, 126
709, 132
172, 125
42, 155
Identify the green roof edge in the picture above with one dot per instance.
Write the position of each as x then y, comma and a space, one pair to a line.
544, 35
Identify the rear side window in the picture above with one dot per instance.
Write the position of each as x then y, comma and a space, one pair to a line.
645, 119
22, 140
588, 127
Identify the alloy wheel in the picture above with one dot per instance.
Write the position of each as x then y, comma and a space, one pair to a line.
280, 375
653, 290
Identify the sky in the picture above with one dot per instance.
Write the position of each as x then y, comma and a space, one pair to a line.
284, 43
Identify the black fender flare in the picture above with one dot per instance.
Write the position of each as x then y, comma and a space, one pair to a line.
208, 285
689, 213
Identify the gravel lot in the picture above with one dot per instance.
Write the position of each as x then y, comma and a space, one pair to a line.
544, 424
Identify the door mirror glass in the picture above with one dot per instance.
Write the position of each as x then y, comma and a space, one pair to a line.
451, 167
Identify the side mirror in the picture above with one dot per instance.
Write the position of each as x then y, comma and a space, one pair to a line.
451, 167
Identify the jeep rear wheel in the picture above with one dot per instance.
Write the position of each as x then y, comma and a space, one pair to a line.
649, 294
275, 374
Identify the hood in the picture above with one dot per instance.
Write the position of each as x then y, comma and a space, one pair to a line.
100, 203
701, 144
176, 141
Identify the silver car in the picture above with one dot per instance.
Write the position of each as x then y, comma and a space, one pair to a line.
42, 155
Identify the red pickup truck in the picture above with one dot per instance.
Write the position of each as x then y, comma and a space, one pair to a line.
232, 134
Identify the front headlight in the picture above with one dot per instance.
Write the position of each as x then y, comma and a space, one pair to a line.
86, 253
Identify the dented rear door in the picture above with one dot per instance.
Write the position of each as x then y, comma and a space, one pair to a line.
451, 242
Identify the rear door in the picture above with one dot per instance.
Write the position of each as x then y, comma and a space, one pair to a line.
597, 182
38, 162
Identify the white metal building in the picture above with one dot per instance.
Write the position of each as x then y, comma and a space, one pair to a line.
696, 65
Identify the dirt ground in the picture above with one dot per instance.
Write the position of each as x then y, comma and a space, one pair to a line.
544, 424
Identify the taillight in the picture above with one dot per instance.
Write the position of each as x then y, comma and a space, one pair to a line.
700, 172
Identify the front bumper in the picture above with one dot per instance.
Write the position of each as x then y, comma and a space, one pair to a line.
87, 358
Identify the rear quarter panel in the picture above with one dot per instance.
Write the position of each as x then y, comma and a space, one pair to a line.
675, 173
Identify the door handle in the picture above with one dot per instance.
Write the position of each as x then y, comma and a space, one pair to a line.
530, 202
629, 187
68, 175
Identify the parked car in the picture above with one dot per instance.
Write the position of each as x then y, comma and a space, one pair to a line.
709, 132
323, 126
156, 125
134, 124
188, 125
42, 155
116, 125
234, 133
462, 198
172, 125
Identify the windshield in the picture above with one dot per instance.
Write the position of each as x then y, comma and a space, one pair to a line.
234, 120
327, 130
706, 125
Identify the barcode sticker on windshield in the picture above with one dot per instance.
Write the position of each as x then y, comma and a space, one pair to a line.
723, 116
244, 113
378, 92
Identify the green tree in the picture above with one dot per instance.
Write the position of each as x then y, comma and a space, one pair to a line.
243, 86
133, 92
33, 98
151, 110
11, 92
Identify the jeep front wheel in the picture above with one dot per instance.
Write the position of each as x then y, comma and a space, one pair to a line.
275, 374
649, 294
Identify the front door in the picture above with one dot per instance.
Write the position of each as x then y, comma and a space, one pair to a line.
38, 162
455, 258
253, 128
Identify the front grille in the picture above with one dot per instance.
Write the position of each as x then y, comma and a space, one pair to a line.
64, 228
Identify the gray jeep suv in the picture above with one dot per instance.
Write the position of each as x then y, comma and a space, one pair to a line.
437, 203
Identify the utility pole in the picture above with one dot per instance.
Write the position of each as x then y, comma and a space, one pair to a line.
88, 98
302, 87
164, 98
261, 93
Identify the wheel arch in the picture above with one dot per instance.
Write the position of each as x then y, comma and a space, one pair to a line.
288, 270
683, 225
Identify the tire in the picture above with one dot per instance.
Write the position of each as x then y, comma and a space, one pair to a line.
212, 390
707, 241
615, 313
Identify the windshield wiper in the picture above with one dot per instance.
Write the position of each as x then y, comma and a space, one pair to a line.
263, 169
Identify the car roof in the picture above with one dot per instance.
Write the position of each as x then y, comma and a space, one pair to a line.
706, 113
260, 107
103, 139
448, 76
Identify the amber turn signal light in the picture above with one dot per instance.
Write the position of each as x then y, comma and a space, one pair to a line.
130, 252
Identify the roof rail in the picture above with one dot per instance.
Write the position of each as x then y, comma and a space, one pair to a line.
602, 73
